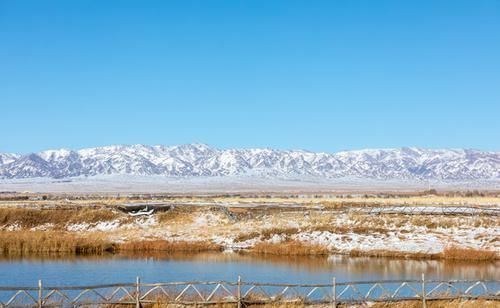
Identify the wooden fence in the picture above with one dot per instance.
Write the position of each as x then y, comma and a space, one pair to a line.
241, 293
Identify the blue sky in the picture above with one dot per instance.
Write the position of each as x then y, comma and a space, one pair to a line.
315, 75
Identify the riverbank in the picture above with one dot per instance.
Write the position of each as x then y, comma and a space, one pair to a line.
22, 243
275, 227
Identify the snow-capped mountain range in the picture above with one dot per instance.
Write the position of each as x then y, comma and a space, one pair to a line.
201, 160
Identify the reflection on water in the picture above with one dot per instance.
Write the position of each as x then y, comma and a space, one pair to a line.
76, 270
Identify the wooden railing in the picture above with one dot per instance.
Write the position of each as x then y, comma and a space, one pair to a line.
242, 293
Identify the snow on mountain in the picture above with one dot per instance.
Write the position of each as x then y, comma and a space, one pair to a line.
6, 158
27, 166
200, 160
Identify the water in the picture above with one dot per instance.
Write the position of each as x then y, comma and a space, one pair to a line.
217, 266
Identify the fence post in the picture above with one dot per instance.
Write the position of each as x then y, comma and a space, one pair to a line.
239, 291
137, 292
424, 304
334, 292
40, 294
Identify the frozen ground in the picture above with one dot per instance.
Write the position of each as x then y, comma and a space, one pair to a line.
339, 232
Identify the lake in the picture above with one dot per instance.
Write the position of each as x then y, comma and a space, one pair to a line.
75, 270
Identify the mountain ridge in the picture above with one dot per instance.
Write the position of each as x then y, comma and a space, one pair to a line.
191, 160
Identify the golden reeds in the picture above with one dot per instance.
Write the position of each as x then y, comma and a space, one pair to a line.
449, 253
469, 254
168, 246
44, 242
270, 232
289, 248
31, 217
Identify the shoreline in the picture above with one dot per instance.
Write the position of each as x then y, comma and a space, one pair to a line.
36, 243
289, 226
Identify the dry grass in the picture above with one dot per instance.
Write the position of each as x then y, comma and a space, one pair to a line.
178, 215
474, 303
344, 199
182, 222
357, 229
469, 254
269, 233
168, 246
383, 223
450, 253
393, 254
409, 200
289, 248
30, 217
441, 304
45, 242
246, 236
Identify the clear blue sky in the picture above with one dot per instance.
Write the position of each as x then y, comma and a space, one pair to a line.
315, 75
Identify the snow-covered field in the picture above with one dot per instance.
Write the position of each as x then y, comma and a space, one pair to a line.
339, 232
224, 184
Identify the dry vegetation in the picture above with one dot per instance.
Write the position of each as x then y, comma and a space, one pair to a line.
177, 215
263, 226
334, 199
474, 303
267, 229
449, 253
469, 254
294, 248
267, 234
289, 248
52, 242
168, 246
32, 217
441, 304
47, 242
42, 242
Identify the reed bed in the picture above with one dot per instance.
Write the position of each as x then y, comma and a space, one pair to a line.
450, 253
33, 217
48, 242
469, 254
52, 242
289, 248
168, 246
393, 254
43, 242
285, 231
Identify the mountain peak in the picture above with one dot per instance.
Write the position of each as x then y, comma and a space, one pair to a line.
190, 160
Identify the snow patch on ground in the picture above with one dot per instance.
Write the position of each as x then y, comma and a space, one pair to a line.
339, 232
427, 243
44, 227
209, 219
11, 227
102, 226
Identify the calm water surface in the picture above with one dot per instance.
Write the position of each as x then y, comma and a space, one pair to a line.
218, 266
